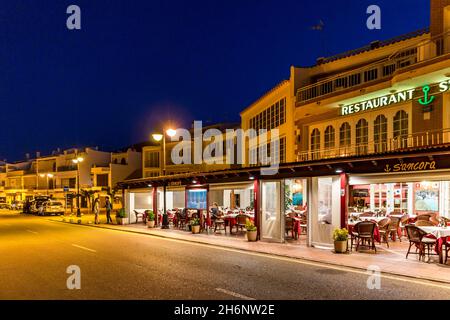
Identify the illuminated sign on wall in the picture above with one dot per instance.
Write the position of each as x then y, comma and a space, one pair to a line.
403, 96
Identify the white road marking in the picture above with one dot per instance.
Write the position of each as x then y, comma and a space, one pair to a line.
31, 231
84, 248
234, 294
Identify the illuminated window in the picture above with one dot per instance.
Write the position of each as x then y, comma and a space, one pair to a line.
380, 133
362, 136
315, 143
401, 128
329, 137
345, 135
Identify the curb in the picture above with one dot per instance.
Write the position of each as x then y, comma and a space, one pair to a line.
259, 252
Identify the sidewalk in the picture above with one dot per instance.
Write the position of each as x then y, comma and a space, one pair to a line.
390, 261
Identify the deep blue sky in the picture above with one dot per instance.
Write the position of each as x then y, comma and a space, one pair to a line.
135, 63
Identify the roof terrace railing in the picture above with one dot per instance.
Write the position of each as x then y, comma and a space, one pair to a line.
382, 69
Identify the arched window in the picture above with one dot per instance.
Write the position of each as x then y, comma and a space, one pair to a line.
345, 135
401, 128
380, 133
315, 143
362, 136
329, 140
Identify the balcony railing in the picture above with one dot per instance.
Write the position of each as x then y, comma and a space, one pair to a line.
67, 168
383, 69
401, 143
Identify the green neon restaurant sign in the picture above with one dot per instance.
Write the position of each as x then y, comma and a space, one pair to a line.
398, 97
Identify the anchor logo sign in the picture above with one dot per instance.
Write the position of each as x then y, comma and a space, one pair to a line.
387, 168
426, 100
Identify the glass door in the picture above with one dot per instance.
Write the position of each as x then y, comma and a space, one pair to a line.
325, 209
271, 211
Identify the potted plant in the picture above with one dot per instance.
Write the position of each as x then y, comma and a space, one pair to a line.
251, 230
195, 225
150, 219
340, 237
120, 216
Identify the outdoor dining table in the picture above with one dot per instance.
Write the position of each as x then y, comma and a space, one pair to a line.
441, 235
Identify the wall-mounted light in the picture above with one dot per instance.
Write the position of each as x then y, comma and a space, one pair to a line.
251, 178
339, 171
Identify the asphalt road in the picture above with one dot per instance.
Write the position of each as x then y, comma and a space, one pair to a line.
35, 254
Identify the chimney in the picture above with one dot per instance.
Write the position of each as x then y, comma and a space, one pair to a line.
27, 156
375, 44
38, 154
437, 15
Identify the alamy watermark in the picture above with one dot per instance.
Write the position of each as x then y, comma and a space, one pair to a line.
73, 282
213, 146
374, 20
374, 279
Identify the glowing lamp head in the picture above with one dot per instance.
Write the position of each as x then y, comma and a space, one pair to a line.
157, 136
171, 132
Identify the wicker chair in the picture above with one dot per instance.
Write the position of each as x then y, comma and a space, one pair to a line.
384, 227
219, 224
434, 220
424, 223
417, 237
289, 226
241, 220
403, 222
423, 217
393, 228
364, 233
446, 248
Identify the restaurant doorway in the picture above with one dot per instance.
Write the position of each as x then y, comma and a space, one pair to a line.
271, 211
325, 209
296, 210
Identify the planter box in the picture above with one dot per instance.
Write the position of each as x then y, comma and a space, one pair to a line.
121, 221
151, 224
252, 235
340, 246
195, 229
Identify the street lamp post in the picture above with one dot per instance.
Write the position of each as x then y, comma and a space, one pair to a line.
162, 137
47, 176
77, 161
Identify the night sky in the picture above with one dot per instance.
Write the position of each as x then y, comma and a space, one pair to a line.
135, 64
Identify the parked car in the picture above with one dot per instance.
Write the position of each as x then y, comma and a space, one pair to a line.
4, 205
51, 208
37, 203
17, 205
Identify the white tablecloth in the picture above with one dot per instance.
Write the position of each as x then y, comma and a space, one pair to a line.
438, 232
376, 219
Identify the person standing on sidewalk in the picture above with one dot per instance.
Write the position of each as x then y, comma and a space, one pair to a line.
96, 210
108, 207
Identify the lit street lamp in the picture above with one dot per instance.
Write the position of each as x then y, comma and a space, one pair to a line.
47, 176
158, 137
77, 161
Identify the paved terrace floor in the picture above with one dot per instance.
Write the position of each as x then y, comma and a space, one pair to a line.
390, 261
